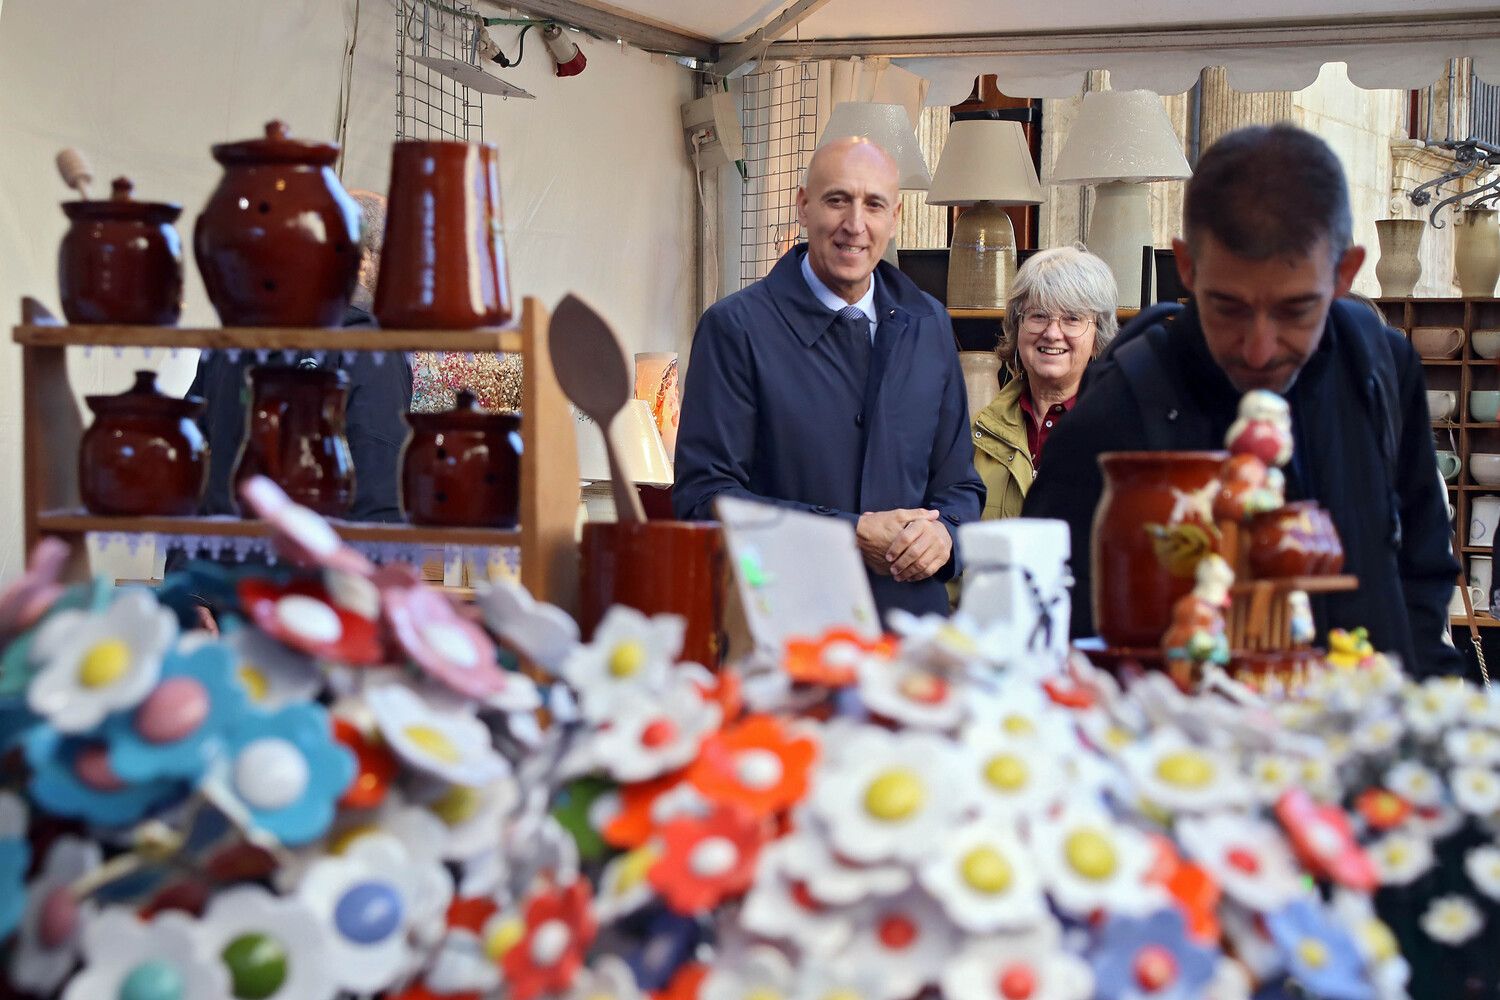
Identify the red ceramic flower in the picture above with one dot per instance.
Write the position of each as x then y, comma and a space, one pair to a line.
1324, 842
304, 617
755, 765
706, 861
633, 824
1382, 809
448, 647
831, 660
726, 692
559, 929
1191, 887
685, 983
376, 767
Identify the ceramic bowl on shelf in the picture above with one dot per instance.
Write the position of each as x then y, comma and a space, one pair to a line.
1483, 405
1449, 465
1486, 343
1485, 468
1437, 341
1441, 403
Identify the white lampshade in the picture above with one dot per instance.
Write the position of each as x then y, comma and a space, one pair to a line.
637, 441
985, 161
887, 126
1121, 135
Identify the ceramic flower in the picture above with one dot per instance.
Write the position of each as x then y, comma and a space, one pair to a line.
756, 765
1272, 775
1481, 707
300, 534
1320, 954
1013, 777
606, 978
943, 642
1378, 736
1483, 867
1032, 965
1192, 888
706, 861
1323, 841
1476, 790
180, 726
651, 734
1382, 809
1472, 747
73, 777
1246, 856
542, 633
1432, 708
123, 956
17, 667
1401, 858
1020, 709
986, 880
1173, 774
369, 901
905, 942
27, 598
1089, 862
15, 857
909, 691
1136, 958
780, 907
625, 885
631, 817
304, 616
659, 956
271, 674
49, 936
808, 859
889, 795
274, 948
559, 928
1388, 972
458, 968
453, 746
453, 650
470, 815
630, 653
756, 973
842, 980
285, 772
833, 659
94, 664
1452, 920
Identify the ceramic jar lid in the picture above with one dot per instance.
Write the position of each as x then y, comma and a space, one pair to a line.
144, 398
466, 415
119, 205
277, 147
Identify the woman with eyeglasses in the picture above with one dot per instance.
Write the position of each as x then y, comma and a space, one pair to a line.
1059, 315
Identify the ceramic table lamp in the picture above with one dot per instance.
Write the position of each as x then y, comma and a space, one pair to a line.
888, 126
1121, 141
638, 442
985, 166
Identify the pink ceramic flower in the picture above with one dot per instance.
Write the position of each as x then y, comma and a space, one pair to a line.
300, 534
26, 598
453, 650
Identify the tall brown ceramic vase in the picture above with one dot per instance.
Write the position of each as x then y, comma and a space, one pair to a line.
1153, 522
443, 266
294, 435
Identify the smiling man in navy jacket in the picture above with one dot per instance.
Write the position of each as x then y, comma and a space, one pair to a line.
832, 385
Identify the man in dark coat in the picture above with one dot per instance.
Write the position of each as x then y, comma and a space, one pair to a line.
1267, 253
832, 386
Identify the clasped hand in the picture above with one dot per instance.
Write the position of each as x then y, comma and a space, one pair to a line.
905, 544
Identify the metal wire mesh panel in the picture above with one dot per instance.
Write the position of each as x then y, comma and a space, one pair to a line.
430, 105
779, 116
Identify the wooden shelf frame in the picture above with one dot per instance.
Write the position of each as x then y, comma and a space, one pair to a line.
52, 428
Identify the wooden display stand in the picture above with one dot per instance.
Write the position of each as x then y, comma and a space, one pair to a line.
52, 428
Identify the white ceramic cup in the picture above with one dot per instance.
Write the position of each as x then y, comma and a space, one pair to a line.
1480, 576
1484, 516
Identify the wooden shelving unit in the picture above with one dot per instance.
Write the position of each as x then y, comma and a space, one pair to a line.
53, 426
1460, 374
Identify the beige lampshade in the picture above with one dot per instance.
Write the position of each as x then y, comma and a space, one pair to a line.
1121, 135
985, 161
887, 126
637, 440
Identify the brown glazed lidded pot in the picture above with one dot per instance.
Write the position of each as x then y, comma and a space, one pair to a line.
443, 265
278, 242
143, 456
121, 261
1153, 523
1296, 539
462, 467
294, 435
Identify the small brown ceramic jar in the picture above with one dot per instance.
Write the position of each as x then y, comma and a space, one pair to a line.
278, 242
121, 261
143, 455
462, 467
1291, 540
294, 435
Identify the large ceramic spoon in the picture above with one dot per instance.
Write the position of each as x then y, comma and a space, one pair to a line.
591, 368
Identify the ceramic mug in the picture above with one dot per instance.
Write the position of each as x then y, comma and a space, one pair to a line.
1483, 405
1484, 514
1481, 573
1441, 403
1437, 341
1449, 465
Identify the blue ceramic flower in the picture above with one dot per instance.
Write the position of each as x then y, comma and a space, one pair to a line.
1320, 955
15, 719
71, 777
16, 668
177, 730
286, 771
15, 856
1136, 958
669, 941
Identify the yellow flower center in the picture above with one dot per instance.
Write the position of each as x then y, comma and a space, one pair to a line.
434, 743
894, 796
1018, 725
254, 682
1186, 769
763, 993
103, 664
1314, 953
627, 659
955, 638
1379, 941
635, 866
1006, 772
504, 937
341, 843
986, 870
1090, 854
457, 805
841, 995
1117, 738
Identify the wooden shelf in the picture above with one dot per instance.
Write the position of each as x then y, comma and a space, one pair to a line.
1448, 362
1482, 621
253, 338
1478, 550
78, 522
1125, 313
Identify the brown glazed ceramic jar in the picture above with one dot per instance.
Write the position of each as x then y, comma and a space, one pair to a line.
143, 456
278, 242
1153, 523
294, 435
121, 261
659, 567
1297, 539
443, 265
462, 467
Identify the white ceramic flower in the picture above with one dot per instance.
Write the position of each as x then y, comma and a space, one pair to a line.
942, 642
1401, 858
1476, 790
1013, 776
757, 973
624, 887
1452, 920
890, 796
272, 673
1416, 783
460, 965
95, 664
906, 941
121, 953
1482, 708
1174, 774
986, 880
471, 816
1379, 735
1247, 857
48, 939
1272, 775
1435, 706
842, 980
1483, 865
370, 900
1089, 862
1019, 708
1388, 971
808, 858
453, 746
1033, 965
780, 908
1319, 776
288, 943
540, 632
1472, 747
1230, 982
630, 654
652, 733
911, 693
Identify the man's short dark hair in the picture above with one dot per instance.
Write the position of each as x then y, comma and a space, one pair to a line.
1269, 191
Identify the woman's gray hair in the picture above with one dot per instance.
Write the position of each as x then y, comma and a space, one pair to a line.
1060, 280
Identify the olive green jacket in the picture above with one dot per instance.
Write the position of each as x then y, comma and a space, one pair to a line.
1001, 454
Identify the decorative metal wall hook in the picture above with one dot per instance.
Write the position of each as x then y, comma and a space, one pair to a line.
1470, 156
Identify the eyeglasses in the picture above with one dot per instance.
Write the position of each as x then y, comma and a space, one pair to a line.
1071, 324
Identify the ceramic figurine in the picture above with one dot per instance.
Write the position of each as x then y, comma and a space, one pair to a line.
1016, 574
1259, 443
1196, 635
1299, 610
1347, 649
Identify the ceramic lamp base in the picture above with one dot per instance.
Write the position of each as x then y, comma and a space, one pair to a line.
1118, 228
982, 259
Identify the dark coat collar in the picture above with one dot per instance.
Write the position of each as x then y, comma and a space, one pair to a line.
896, 297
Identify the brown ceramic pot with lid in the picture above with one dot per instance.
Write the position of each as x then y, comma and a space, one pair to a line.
1296, 539
462, 467
143, 455
294, 435
278, 242
443, 265
121, 261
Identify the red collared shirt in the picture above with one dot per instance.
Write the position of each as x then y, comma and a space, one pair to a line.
1038, 429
